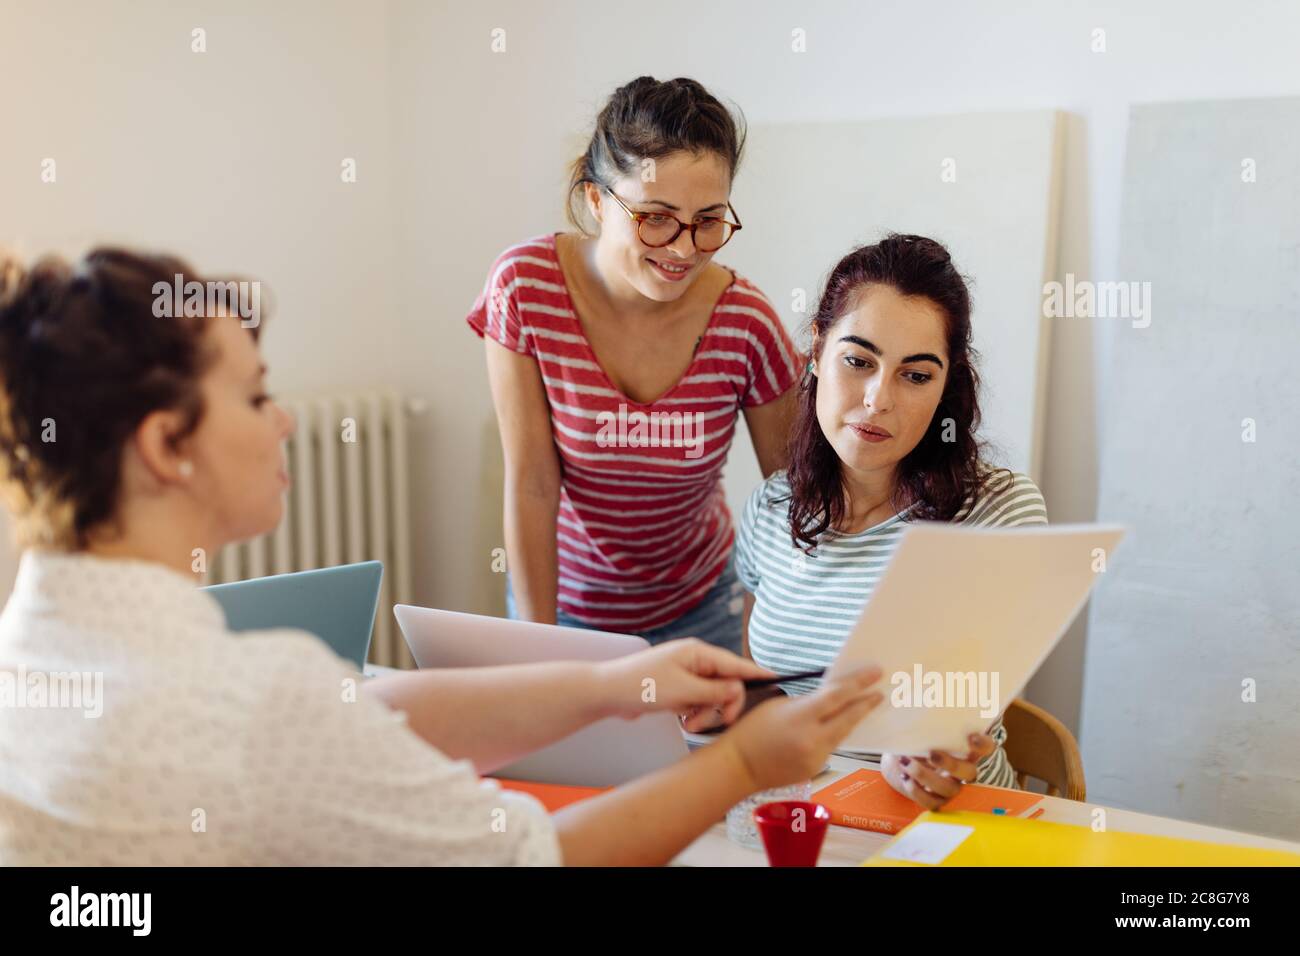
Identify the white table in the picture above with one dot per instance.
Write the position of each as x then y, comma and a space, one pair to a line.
846, 846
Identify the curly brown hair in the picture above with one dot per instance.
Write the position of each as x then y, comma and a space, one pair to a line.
83, 360
938, 474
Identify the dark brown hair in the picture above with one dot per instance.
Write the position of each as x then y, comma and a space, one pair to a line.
937, 475
83, 360
649, 119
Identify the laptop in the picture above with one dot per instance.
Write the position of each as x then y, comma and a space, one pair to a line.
336, 604
605, 754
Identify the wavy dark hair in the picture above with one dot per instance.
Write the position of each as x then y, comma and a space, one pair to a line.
937, 475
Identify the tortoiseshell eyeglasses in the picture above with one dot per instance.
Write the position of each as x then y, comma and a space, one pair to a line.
659, 229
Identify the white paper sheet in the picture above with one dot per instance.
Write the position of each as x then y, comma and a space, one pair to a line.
973, 612
928, 842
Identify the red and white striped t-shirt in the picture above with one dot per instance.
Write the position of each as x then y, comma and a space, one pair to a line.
643, 527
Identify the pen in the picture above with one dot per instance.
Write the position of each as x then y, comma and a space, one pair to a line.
769, 681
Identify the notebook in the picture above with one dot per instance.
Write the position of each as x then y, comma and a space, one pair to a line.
553, 796
865, 800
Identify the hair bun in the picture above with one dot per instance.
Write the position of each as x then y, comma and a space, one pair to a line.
906, 239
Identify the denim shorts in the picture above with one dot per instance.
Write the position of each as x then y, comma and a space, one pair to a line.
717, 619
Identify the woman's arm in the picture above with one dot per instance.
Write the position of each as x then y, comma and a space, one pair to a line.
704, 718
494, 715
532, 483
649, 821
769, 430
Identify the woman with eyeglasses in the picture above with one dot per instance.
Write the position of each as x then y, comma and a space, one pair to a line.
619, 362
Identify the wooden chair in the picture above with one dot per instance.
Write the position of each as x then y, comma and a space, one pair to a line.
1040, 746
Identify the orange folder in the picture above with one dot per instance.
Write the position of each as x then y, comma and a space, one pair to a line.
866, 801
553, 796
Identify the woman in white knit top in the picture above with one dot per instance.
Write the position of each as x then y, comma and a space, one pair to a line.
184, 744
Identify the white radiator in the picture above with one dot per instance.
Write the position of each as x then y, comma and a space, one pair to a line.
348, 501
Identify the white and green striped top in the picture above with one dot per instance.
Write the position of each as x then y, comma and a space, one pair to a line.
806, 605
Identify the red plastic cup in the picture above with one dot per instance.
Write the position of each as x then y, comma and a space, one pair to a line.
792, 831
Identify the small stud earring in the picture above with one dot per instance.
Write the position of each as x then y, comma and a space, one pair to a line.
810, 367
186, 468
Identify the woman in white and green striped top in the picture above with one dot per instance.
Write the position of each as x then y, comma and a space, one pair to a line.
886, 434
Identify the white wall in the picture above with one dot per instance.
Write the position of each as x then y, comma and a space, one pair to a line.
1201, 607
482, 128
233, 158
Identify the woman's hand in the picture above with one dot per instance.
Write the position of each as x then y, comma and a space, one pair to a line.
700, 720
684, 676
935, 781
788, 739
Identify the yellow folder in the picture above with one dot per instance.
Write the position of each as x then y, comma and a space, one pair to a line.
979, 839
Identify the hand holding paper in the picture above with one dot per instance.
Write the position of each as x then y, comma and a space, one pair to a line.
960, 621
